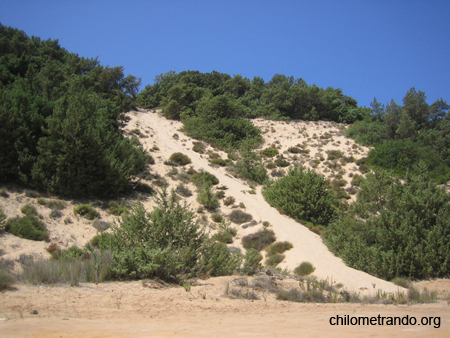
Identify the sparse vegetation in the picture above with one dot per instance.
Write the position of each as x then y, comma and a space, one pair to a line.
239, 217
86, 211
229, 200
259, 240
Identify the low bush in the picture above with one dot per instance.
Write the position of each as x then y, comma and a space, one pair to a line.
207, 198
259, 240
7, 279
281, 162
217, 259
356, 180
117, 208
275, 259
278, 248
145, 188
179, 159
239, 217
218, 161
28, 227
29, 209
203, 178
4, 193
334, 155
252, 262
86, 211
216, 217
403, 282
270, 152
198, 147
304, 269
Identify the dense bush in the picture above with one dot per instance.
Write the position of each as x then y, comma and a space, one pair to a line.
28, 227
275, 259
203, 178
207, 198
304, 269
179, 159
164, 243
259, 240
395, 229
217, 259
270, 152
60, 119
278, 248
239, 217
252, 262
303, 195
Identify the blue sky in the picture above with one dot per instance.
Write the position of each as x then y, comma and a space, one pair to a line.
368, 48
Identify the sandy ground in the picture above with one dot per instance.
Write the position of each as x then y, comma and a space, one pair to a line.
134, 310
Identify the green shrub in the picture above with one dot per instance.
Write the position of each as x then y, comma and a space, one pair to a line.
198, 147
252, 262
334, 155
117, 208
275, 259
29, 209
281, 162
392, 219
226, 233
294, 150
28, 227
356, 180
270, 152
303, 195
278, 248
259, 240
86, 211
304, 269
4, 193
204, 178
179, 159
32, 193
271, 165
403, 282
207, 198
145, 188
216, 217
239, 217
219, 161
217, 259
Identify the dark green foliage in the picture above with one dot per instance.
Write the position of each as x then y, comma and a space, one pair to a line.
238, 216
164, 243
281, 162
225, 233
259, 240
29, 209
303, 195
28, 227
204, 178
401, 155
218, 260
270, 152
179, 159
249, 165
395, 229
60, 118
304, 269
219, 161
216, 217
86, 211
198, 147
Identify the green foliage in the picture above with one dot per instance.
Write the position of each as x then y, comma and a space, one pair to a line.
278, 248
60, 119
249, 165
395, 229
304, 269
29, 209
217, 260
86, 211
219, 161
183, 190
7, 279
275, 259
2, 216
270, 152
164, 243
303, 195
117, 208
204, 178
198, 147
179, 159
207, 198
259, 240
252, 262
28, 227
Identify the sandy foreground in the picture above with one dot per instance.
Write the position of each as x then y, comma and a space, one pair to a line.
130, 309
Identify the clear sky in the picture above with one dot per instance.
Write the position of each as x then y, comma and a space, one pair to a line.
369, 48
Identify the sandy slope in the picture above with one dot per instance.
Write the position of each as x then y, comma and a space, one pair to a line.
307, 245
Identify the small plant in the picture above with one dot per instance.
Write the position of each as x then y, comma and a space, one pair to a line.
7, 280
334, 155
239, 217
101, 225
204, 178
242, 205
271, 165
259, 240
28, 227
278, 248
270, 152
219, 162
281, 162
182, 190
403, 282
29, 209
144, 188
117, 208
356, 180
178, 159
229, 200
252, 262
277, 173
32, 194
275, 259
198, 147
304, 269
220, 194
207, 198
176, 136
216, 217
86, 211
